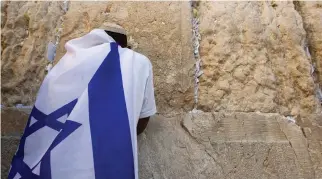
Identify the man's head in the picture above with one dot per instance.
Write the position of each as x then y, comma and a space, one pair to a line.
116, 32
121, 39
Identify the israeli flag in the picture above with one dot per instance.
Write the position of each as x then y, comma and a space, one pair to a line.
79, 126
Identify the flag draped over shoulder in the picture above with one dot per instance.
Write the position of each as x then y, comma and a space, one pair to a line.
79, 126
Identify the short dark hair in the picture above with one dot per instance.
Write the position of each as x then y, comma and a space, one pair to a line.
121, 39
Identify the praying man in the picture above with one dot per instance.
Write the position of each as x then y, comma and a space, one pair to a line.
89, 110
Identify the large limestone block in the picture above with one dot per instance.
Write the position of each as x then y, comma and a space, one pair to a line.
254, 59
210, 145
224, 145
26, 29
159, 30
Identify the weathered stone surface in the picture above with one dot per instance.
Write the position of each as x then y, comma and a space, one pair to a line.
224, 145
13, 121
159, 30
26, 29
8, 148
254, 59
311, 126
207, 145
311, 13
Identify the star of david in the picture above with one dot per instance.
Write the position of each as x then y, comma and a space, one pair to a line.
65, 129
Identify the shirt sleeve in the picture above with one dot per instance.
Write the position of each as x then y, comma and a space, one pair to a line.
148, 107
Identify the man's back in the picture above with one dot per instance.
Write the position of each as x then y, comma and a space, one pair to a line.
138, 89
84, 121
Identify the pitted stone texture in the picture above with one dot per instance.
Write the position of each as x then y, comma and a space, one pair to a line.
254, 60
220, 145
311, 13
159, 30
224, 145
26, 29
251, 137
8, 148
311, 126
13, 121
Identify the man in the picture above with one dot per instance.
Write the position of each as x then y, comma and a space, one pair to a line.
119, 35
88, 111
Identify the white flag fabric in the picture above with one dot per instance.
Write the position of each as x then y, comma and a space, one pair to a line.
83, 124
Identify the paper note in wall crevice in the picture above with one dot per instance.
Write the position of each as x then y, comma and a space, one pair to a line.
51, 51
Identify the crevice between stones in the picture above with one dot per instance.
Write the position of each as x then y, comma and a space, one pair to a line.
11, 137
51, 49
196, 37
313, 59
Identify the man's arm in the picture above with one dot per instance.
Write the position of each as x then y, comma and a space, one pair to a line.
143, 122
148, 108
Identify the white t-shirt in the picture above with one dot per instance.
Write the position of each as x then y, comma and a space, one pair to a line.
139, 92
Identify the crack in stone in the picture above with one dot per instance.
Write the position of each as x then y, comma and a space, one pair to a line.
266, 163
298, 161
213, 158
187, 130
11, 137
236, 166
314, 72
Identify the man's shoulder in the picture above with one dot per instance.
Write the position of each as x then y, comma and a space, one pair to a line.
138, 58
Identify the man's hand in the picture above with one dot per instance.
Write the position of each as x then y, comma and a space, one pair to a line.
142, 125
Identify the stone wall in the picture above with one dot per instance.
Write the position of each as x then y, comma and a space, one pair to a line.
254, 59
311, 13
26, 29
162, 35
258, 113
